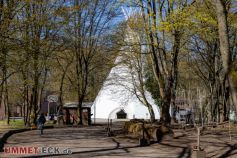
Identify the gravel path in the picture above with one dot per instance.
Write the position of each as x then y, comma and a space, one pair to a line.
92, 141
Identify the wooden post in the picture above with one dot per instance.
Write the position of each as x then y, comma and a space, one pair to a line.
198, 138
110, 124
198, 152
108, 128
229, 130
143, 141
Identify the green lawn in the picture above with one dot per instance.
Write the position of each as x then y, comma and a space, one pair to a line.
14, 124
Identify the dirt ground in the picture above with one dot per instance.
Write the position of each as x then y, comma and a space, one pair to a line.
93, 141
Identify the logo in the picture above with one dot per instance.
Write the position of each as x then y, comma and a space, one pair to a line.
24, 150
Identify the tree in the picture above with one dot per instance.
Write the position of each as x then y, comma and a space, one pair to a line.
221, 13
7, 15
39, 28
134, 59
164, 16
90, 21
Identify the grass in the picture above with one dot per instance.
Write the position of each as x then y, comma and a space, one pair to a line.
14, 124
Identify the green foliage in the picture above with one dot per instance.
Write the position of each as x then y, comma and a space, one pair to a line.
177, 20
152, 86
192, 20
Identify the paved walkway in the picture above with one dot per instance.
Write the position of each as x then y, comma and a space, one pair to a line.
92, 142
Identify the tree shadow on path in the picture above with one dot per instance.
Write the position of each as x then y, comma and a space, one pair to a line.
186, 151
228, 153
117, 147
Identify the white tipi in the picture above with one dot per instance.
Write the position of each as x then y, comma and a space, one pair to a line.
118, 94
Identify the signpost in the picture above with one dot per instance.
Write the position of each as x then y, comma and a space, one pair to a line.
50, 99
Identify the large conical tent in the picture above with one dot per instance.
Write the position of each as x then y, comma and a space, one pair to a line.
118, 91
116, 94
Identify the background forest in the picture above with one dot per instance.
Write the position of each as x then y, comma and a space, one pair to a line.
68, 47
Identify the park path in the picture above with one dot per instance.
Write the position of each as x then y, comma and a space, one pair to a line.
92, 141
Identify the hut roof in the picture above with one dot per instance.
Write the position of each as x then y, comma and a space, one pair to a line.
75, 105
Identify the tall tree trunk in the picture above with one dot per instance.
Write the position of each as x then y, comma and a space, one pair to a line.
60, 107
5, 85
78, 52
165, 74
28, 107
24, 112
145, 101
42, 88
165, 108
7, 103
224, 44
2, 92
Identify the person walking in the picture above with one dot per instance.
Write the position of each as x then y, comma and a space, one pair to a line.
41, 122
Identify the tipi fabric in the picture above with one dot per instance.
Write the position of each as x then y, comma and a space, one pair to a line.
117, 93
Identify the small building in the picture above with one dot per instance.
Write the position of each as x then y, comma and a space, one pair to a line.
70, 111
183, 110
15, 111
49, 108
121, 114
233, 116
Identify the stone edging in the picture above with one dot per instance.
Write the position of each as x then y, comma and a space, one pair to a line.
7, 134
